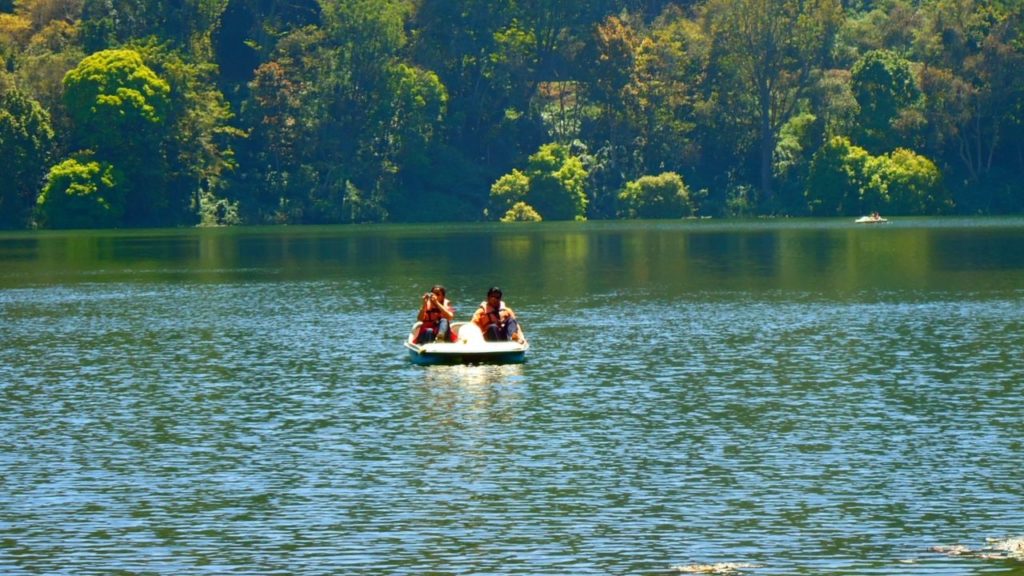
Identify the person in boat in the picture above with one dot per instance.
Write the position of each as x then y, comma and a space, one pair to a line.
435, 316
495, 320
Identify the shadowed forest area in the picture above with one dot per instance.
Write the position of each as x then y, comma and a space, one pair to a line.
124, 113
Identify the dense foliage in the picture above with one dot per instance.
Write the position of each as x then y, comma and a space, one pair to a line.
325, 111
661, 196
82, 192
26, 141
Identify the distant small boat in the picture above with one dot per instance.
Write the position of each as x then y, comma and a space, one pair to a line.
469, 347
873, 219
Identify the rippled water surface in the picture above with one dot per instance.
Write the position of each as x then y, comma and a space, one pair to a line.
806, 397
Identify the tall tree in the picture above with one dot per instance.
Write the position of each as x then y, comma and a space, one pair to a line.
198, 144
974, 52
770, 48
416, 102
119, 108
662, 94
609, 70
26, 143
459, 40
885, 88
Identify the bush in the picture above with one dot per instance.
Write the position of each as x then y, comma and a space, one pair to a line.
557, 181
214, 211
82, 193
508, 191
521, 212
662, 196
837, 178
908, 183
845, 180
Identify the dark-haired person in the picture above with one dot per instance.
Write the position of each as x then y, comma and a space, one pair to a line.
435, 316
495, 320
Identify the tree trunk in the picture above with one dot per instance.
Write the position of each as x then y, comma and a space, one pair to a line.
767, 145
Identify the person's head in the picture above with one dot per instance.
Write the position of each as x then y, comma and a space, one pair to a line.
439, 291
494, 295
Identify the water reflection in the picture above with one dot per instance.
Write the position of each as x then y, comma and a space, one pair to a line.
475, 378
564, 260
468, 397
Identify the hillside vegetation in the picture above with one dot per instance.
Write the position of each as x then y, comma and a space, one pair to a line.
121, 113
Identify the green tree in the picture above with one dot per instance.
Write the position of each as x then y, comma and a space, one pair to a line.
974, 96
198, 144
359, 98
81, 192
610, 66
661, 196
614, 53
277, 126
765, 53
557, 181
833, 102
115, 100
26, 144
459, 40
301, 154
907, 183
415, 104
107, 23
885, 89
837, 176
874, 25
119, 108
506, 192
662, 94
798, 139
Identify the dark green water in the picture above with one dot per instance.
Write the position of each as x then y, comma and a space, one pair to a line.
807, 397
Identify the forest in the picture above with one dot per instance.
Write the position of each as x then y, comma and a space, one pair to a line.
145, 113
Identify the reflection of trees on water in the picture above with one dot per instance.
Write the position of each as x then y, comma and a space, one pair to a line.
555, 263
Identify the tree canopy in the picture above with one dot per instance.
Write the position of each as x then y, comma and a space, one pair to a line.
235, 111
26, 144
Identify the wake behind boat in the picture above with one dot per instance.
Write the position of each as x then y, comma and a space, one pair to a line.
469, 347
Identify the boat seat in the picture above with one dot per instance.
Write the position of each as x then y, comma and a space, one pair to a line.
469, 333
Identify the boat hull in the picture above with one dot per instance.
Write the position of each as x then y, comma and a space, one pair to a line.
469, 348
455, 356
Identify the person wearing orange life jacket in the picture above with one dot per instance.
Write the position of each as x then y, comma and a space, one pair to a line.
495, 320
435, 316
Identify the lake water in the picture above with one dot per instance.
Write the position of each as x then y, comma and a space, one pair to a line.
796, 397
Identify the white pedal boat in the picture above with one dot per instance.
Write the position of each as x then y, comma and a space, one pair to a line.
871, 220
469, 347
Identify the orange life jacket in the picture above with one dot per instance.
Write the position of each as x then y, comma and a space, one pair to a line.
495, 316
433, 315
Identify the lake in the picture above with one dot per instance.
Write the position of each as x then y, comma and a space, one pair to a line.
786, 396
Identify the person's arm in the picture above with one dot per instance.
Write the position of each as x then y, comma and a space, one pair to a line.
423, 310
446, 309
